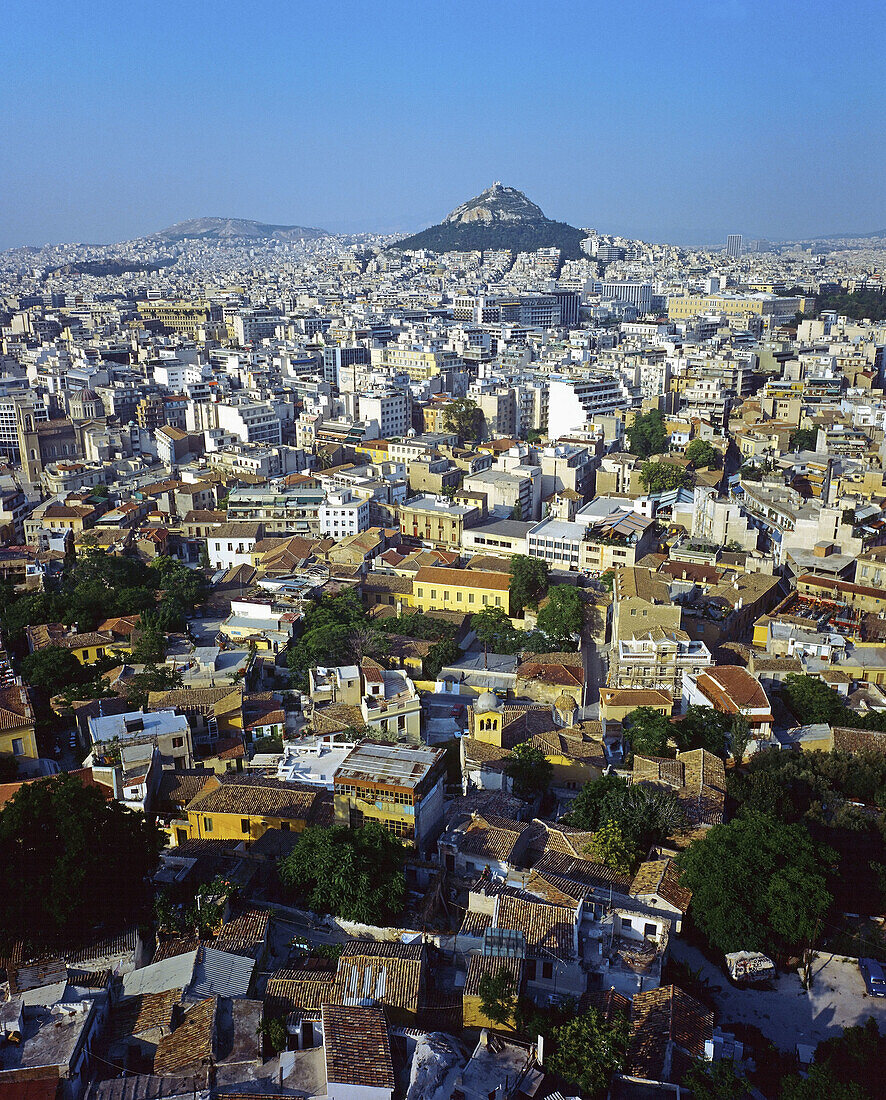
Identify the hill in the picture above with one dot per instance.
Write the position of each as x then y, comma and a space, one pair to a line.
499, 217
228, 229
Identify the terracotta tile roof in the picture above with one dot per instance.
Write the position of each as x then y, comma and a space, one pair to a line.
245, 934
206, 701
608, 1003
552, 673
492, 837
190, 1046
661, 878
135, 1015
853, 740
475, 924
732, 688
584, 872
336, 717
15, 708
178, 945
636, 697
698, 778
392, 974
464, 578
261, 799
563, 839
485, 755
664, 1022
357, 1047
291, 990
547, 928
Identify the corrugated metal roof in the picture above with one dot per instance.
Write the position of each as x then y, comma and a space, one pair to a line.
221, 974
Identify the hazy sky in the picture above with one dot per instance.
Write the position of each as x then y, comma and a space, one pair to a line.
667, 120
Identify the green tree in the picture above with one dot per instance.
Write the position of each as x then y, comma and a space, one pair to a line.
52, 669
326, 635
592, 806
274, 1033
648, 435
498, 996
354, 873
151, 678
464, 418
562, 615
611, 847
703, 728
588, 1050
493, 629
442, 653
758, 884
649, 732
812, 700
529, 770
661, 477
150, 642
715, 1081
529, 582
8, 768
848, 1066
803, 439
64, 846
701, 453
739, 737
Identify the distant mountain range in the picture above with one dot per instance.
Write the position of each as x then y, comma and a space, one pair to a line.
499, 217
228, 229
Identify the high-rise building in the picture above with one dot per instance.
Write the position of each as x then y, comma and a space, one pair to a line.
733, 246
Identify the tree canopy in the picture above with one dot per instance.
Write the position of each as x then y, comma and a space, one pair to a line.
648, 435
498, 996
327, 635
660, 477
465, 418
811, 701
355, 873
851, 1066
562, 615
803, 439
529, 582
758, 884
74, 864
588, 1050
701, 453
529, 770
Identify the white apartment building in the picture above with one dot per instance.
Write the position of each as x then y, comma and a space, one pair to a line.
343, 513
253, 422
574, 402
389, 410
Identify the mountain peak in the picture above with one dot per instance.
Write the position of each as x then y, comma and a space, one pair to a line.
498, 218
496, 204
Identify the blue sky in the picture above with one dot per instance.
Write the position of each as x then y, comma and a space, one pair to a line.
671, 120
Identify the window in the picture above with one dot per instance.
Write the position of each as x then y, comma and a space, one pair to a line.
547, 970
244, 824
650, 930
178, 742
207, 824
18, 746
284, 825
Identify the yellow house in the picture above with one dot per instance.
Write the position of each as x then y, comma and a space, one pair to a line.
87, 647
466, 590
576, 759
617, 703
17, 736
245, 811
490, 966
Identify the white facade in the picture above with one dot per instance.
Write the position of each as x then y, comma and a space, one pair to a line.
389, 410
573, 403
343, 513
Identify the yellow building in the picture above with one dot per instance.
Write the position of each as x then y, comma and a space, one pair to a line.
245, 811
617, 703
481, 966
17, 736
467, 590
87, 647
735, 306
437, 521
419, 365
183, 317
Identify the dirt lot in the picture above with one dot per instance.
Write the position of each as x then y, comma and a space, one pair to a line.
787, 1013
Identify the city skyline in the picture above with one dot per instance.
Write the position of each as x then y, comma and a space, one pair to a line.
681, 125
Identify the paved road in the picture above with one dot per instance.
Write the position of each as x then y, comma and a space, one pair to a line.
595, 668
788, 1014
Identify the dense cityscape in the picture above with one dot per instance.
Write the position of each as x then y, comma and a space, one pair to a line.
441, 668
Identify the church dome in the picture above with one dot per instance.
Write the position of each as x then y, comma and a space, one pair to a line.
485, 702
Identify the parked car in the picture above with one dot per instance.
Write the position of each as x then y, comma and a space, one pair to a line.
874, 977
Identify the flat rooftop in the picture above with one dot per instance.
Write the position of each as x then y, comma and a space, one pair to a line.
398, 765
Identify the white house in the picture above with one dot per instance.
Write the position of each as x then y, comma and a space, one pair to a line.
343, 513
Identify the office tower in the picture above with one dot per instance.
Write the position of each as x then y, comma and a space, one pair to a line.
733, 246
